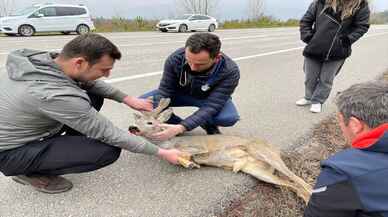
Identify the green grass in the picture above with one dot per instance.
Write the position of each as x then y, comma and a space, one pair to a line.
264, 22
379, 18
119, 24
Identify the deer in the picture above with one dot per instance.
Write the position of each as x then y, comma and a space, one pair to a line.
252, 156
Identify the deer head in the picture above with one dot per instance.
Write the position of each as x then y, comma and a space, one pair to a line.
147, 123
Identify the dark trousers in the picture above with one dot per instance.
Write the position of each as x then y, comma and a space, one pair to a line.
227, 117
67, 152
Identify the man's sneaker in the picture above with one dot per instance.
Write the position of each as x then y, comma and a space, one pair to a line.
46, 184
303, 102
316, 108
211, 129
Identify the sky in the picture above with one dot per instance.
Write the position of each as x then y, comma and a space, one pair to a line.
158, 9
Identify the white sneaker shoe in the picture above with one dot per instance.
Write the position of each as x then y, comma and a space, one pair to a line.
316, 108
303, 102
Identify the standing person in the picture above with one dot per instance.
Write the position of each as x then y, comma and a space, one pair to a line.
329, 28
199, 75
353, 182
49, 120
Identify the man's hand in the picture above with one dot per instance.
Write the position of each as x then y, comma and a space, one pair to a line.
138, 104
170, 131
170, 155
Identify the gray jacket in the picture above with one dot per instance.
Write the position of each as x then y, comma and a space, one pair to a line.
37, 99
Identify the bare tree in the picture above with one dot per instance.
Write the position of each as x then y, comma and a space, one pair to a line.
6, 7
196, 6
255, 9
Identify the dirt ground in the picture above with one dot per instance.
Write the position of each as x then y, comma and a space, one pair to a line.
266, 200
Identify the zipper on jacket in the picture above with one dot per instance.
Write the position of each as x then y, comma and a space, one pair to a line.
335, 36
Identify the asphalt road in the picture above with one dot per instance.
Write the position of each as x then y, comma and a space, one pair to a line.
271, 81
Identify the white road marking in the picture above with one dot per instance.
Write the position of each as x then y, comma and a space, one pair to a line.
134, 77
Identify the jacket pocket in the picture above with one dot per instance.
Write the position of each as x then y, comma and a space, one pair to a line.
340, 49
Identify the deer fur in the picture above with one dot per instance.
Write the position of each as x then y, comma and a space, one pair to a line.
249, 155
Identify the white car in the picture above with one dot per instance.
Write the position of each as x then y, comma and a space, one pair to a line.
48, 18
188, 22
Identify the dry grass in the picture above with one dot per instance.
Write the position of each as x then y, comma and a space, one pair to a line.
269, 201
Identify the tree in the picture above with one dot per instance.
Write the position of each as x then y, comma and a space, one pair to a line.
6, 7
196, 6
255, 9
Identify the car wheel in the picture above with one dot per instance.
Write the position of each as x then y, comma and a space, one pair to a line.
211, 28
26, 30
66, 33
82, 29
164, 30
182, 28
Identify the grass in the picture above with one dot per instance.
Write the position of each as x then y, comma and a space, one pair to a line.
264, 22
267, 200
119, 24
304, 161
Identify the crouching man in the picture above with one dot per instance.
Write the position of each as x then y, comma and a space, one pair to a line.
199, 75
49, 120
352, 183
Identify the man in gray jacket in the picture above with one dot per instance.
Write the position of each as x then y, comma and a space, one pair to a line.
49, 120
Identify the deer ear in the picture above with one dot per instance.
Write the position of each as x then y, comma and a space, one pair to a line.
137, 116
165, 115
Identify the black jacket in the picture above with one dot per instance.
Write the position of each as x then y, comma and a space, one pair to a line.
354, 182
222, 80
329, 38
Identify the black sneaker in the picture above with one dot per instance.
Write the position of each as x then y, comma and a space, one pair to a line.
211, 129
45, 184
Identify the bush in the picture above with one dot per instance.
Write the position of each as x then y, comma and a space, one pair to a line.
263, 22
119, 24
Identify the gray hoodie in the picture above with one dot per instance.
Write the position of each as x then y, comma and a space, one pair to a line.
37, 99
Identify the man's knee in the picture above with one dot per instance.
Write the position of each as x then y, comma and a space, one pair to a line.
227, 120
109, 156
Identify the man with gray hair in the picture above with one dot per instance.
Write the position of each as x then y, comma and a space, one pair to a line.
352, 182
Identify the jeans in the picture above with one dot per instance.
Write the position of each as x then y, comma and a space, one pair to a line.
319, 77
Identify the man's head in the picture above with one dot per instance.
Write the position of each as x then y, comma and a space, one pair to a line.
202, 51
88, 57
362, 107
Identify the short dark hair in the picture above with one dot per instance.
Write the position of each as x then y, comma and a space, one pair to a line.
367, 102
90, 46
204, 41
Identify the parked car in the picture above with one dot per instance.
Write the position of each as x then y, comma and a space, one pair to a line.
48, 18
188, 22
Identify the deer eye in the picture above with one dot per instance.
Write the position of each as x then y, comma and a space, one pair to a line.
149, 123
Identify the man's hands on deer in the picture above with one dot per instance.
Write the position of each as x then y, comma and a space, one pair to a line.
138, 104
170, 155
169, 131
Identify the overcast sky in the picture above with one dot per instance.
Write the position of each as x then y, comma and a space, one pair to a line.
157, 9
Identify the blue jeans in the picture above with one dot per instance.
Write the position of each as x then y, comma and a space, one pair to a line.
227, 117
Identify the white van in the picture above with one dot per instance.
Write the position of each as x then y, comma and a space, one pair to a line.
48, 18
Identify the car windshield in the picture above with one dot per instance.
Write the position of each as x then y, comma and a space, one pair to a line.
183, 17
24, 11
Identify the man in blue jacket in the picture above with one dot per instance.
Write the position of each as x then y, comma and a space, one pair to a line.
353, 183
199, 75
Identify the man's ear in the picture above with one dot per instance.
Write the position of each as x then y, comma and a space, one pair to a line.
356, 126
80, 62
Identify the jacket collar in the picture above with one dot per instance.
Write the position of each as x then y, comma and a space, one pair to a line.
374, 140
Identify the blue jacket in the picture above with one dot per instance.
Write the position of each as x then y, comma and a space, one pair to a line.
354, 182
216, 86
